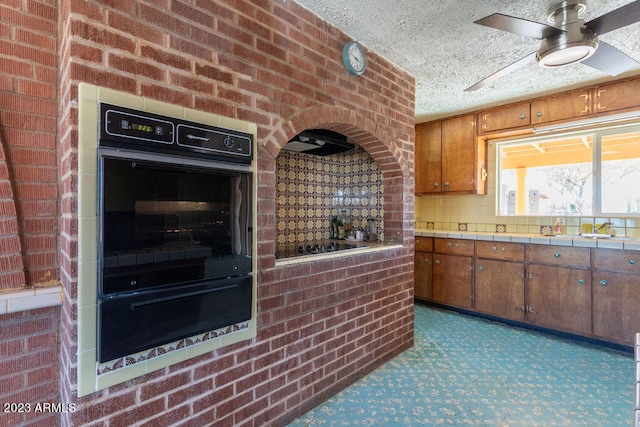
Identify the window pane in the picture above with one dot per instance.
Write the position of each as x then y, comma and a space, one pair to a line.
621, 173
552, 177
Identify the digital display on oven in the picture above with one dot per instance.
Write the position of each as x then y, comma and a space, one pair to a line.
123, 124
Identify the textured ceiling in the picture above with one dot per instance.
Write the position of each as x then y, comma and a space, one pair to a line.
438, 43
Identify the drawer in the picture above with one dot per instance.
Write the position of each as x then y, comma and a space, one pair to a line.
616, 260
500, 250
559, 255
424, 244
454, 246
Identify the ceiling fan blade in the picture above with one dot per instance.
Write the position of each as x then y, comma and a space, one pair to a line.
506, 70
610, 60
618, 18
521, 27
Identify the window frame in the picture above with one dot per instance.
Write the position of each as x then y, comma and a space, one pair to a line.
597, 133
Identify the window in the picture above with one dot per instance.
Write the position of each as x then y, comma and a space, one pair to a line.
583, 173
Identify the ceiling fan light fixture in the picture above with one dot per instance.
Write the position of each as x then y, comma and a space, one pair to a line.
566, 55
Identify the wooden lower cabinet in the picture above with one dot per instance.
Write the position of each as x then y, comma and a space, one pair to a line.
616, 306
559, 298
589, 292
423, 284
452, 280
500, 289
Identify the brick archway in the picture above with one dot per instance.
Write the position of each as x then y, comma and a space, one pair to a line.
364, 131
12, 273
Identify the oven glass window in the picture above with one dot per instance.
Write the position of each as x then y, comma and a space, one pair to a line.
168, 224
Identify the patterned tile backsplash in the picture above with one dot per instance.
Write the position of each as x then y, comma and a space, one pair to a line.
311, 190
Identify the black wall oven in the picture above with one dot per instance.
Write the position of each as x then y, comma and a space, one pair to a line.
175, 230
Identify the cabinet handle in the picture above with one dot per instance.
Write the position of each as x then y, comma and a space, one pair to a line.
438, 261
494, 248
530, 310
455, 245
603, 282
538, 114
502, 249
426, 260
435, 184
521, 308
557, 255
480, 268
632, 261
446, 183
522, 116
581, 281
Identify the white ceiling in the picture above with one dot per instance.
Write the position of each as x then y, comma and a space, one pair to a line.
438, 43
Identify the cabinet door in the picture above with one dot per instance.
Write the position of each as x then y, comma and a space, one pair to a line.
459, 154
616, 298
423, 287
500, 289
617, 96
427, 158
509, 116
452, 277
559, 298
569, 105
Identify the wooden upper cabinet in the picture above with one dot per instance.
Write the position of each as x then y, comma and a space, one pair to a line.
617, 96
507, 117
428, 166
463, 156
449, 157
568, 105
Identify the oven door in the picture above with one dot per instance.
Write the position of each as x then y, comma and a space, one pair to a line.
130, 323
168, 221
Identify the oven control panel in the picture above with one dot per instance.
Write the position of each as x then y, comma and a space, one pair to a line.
122, 127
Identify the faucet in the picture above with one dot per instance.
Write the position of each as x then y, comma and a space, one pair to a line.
603, 225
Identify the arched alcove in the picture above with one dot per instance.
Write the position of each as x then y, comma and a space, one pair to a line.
310, 190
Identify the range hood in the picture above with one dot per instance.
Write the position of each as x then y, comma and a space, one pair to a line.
319, 142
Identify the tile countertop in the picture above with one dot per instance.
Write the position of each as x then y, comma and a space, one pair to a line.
539, 239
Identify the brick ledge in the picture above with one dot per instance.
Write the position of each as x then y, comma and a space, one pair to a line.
30, 298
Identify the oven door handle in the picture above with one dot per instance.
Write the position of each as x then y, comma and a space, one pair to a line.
157, 301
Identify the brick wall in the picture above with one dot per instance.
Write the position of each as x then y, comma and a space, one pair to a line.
321, 325
28, 206
28, 180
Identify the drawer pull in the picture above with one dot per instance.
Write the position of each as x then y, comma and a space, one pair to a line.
581, 281
603, 282
494, 248
632, 261
438, 262
522, 116
538, 114
446, 183
502, 249
480, 268
557, 255
435, 184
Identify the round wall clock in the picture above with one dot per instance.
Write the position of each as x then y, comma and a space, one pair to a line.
354, 58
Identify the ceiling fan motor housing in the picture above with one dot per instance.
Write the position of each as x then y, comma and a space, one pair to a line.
576, 44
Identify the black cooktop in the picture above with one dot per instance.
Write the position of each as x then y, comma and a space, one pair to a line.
317, 248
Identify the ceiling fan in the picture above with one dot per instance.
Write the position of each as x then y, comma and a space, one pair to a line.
568, 40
